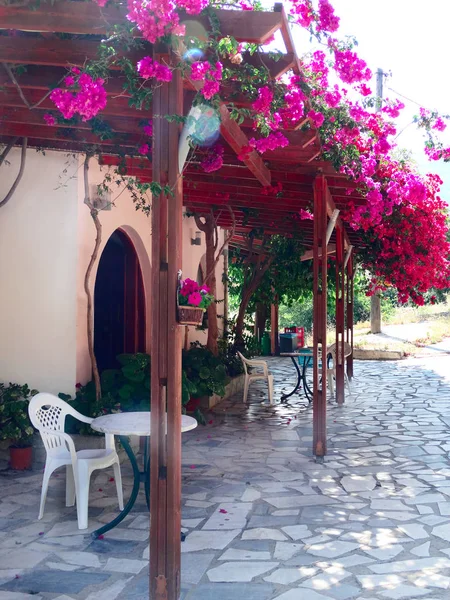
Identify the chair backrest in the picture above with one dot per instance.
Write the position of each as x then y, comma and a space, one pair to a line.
332, 350
47, 411
244, 360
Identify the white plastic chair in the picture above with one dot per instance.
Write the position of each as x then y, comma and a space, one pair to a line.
48, 414
249, 377
331, 373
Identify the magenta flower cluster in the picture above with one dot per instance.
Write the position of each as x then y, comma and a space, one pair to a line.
213, 160
210, 74
271, 142
149, 68
193, 294
86, 96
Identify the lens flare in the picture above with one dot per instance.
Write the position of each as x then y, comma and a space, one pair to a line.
193, 55
204, 125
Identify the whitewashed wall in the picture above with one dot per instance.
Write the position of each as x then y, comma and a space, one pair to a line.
46, 240
38, 253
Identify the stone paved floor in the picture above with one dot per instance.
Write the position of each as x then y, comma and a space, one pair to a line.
264, 520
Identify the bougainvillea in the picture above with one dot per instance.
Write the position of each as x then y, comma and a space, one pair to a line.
403, 218
213, 160
85, 96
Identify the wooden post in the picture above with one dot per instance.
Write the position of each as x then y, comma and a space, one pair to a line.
320, 319
274, 328
165, 488
340, 339
349, 320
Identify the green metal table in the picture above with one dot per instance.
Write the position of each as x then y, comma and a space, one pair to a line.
123, 425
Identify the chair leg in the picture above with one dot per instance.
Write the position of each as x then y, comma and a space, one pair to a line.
330, 381
83, 476
246, 384
47, 473
347, 381
70, 486
270, 386
118, 480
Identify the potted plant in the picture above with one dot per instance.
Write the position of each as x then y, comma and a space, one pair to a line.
15, 424
193, 300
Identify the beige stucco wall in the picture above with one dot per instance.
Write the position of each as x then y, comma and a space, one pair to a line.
138, 226
38, 253
46, 241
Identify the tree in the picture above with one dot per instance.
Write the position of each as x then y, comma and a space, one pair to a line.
208, 224
268, 268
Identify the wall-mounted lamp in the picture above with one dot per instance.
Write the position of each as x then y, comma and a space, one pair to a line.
197, 240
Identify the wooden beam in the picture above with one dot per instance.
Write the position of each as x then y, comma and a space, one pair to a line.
339, 365
165, 529
31, 118
62, 17
309, 254
349, 311
54, 53
116, 106
320, 320
331, 207
65, 16
274, 336
46, 132
237, 139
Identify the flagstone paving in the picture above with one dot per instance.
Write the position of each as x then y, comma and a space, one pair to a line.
263, 519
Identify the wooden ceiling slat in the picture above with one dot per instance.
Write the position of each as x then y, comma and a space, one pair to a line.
115, 107
45, 132
34, 117
55, 53
88, 18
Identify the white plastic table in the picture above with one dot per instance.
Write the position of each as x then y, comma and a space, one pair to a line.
123, 425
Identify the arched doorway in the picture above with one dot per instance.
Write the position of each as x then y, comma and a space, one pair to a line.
119, 302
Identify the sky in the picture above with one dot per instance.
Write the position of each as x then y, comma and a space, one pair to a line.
408, 38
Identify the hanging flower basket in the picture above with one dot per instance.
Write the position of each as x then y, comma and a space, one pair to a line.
192, 301
190, 315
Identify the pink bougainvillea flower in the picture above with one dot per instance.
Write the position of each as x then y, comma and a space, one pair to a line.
149, 68
101, 537
223, 511
271, 142
111, 479
144, 149
213, 159
49, 119
87, 101
304, 214
102, 3
439, 124
192, 466
148, 128
316, 117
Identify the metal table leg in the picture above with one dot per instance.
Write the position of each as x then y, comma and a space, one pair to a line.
308, 391
134, 492
284, 397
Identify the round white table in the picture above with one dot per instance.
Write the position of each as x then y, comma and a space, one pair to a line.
124, 425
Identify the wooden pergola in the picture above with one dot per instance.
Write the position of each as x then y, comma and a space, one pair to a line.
308, 183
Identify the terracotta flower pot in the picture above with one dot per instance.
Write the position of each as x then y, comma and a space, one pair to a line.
193, 404
20, 459
190, 315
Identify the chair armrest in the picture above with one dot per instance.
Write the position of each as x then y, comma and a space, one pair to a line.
65, 436
259, 363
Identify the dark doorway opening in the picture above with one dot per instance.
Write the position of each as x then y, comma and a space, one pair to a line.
119, 302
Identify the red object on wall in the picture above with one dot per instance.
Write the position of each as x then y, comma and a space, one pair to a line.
300, 331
